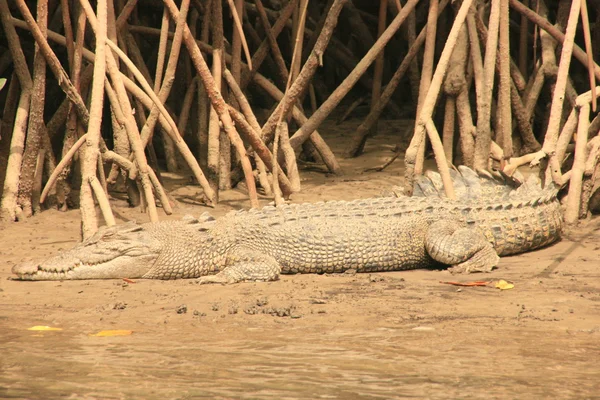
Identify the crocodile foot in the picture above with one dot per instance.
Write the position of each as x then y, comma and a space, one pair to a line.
484, 260
245, 265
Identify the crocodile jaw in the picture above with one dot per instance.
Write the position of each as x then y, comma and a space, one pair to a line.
57, 268
121, 251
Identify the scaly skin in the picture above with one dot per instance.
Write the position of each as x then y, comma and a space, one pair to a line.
370, 235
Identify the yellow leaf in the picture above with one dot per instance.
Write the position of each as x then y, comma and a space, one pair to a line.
43, 328
503, 285
113, 332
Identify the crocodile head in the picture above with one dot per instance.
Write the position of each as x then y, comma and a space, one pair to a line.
121, 251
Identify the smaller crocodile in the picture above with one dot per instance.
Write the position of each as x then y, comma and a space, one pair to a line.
489, 218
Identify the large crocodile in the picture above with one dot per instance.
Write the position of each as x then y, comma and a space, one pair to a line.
490, 218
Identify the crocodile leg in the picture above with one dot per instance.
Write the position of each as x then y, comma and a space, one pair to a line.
244, 264
465, 249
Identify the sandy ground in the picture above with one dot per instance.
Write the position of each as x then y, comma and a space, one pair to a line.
384, 335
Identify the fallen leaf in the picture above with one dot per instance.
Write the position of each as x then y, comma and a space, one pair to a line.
473, 283
112, 332
128, 280
503, 285
43, 328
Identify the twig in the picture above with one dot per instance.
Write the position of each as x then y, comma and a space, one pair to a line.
81, 80
321, 146
440, 158
214, 130
504, 129
484, 94
556, 107
555, 162
102, 201
532, 93
8, 115
424, 122
588, 47
203, 101
338, 94
281, 67
186, 106
574, 196
101, 175
424, 84
14, 45
239, 31
295, 141
35, 126
276, 191
262, 175
89, 222
37, 180
317, 31
359, 136
414, 76
298, 36
523, 44
144, 84
587, 97
125, 13
218, 103
64, 4
543, 23
521, 114
146, 175
448, 130
162, 50
379, 61
386, 164
253, 130
261, 53
162, 195
262, 151
8, 205
466, 128
181, 26
129, 121
308, 70
355, 104
65, 160
457, 87
54, 64
290, 158
361, 31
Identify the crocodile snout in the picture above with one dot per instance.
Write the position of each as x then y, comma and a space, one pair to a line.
27, 267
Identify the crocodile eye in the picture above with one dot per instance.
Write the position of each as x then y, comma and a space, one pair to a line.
107, 236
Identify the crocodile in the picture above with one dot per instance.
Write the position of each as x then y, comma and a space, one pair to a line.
491, 217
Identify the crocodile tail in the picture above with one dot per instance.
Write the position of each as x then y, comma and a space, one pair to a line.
490, 185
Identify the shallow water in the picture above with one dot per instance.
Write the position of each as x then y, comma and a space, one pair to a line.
296, 363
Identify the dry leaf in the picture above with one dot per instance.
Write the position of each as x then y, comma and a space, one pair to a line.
43, 328
113, 332
474, 283
503, 285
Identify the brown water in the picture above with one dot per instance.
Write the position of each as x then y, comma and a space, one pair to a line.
298, 362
